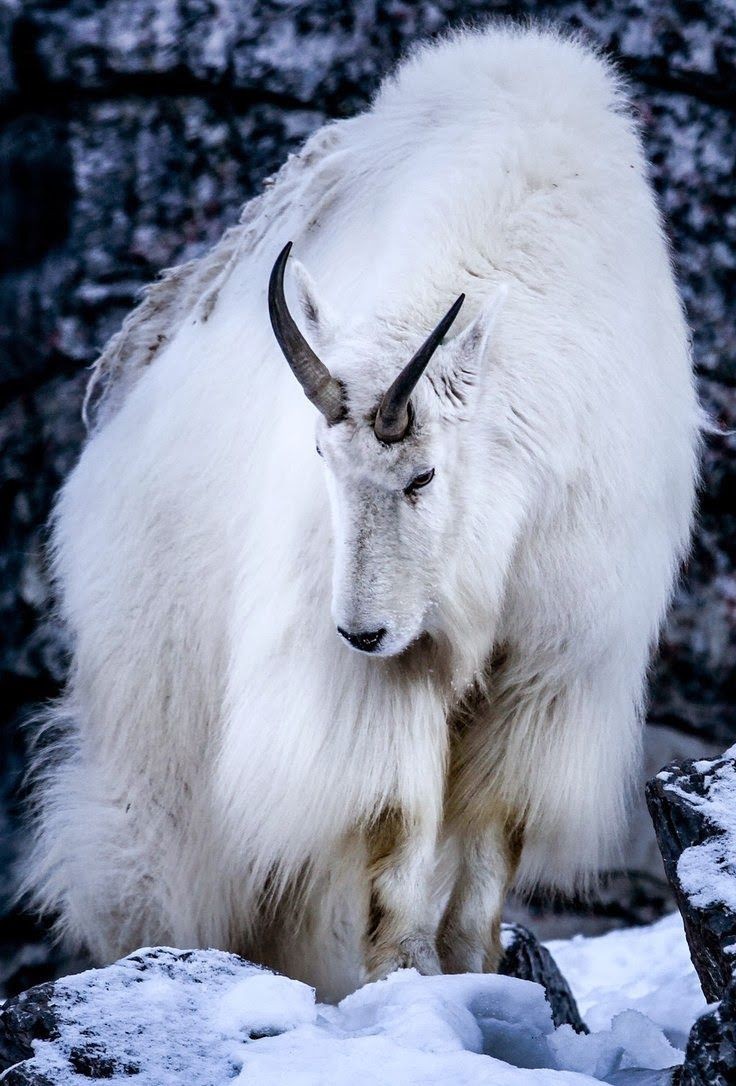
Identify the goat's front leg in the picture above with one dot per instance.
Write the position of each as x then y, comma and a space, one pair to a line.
469, 939
401, 856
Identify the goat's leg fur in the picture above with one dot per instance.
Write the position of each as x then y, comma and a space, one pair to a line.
469, 939
401, 852
489, 835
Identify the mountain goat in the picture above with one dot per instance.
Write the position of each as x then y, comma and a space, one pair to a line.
325, 709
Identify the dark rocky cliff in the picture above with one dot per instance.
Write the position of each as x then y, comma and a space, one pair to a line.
131, 131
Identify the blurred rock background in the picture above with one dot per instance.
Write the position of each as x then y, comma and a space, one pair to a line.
131, 132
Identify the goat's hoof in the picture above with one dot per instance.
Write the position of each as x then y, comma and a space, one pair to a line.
414, 952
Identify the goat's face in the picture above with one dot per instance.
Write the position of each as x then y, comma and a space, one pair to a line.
390, 508
392, 447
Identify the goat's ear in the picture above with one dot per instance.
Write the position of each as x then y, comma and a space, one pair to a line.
463, 358
469, 348
319, 319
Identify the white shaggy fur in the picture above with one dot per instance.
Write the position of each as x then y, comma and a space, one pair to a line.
229, 772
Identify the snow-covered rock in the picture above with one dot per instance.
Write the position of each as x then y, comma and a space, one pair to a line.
693, 806
164, 1016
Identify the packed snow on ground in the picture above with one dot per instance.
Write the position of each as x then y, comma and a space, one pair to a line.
214, 1019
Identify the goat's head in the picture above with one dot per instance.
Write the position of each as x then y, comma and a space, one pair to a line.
393, 450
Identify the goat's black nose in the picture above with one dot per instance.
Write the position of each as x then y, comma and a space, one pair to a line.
366, 642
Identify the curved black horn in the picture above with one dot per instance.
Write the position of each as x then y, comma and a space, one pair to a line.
392, 420
325, 391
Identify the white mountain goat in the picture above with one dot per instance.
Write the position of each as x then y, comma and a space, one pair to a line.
499, 505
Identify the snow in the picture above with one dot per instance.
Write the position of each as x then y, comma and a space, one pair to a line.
207, 1017
646, 969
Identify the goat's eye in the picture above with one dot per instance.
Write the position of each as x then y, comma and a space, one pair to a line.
419, 481
319, 451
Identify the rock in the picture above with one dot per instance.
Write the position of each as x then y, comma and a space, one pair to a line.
525, 957
710, 1058
27, 1018
96, 1020
9, 11
319, 51
136, 185
693, 807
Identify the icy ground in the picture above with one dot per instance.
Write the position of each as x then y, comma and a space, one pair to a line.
208, 1018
